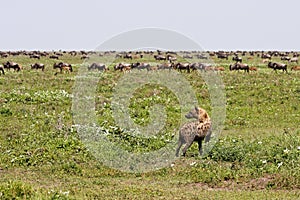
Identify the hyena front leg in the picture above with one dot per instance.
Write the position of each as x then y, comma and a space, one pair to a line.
200, 147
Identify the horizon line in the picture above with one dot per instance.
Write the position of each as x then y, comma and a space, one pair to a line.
119, 50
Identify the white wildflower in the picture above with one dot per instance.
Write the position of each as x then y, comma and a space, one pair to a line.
286, 151
264, 161
298, 148
66, 193
193, 163
279, 164
260, 142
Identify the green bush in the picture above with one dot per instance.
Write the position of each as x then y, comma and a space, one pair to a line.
16, 190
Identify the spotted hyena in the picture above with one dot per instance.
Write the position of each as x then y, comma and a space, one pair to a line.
197, 130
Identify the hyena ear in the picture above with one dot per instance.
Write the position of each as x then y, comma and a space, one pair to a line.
205, 115
196, 108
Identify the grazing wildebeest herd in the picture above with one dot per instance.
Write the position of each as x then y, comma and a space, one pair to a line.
64, 63
183, 61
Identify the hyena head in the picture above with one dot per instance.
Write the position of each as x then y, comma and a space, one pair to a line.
197, 113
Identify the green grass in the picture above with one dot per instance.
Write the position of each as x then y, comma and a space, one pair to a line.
257, 155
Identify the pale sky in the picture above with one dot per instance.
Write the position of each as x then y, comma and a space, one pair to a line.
213, 24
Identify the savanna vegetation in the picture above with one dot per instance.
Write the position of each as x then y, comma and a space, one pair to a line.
256, 156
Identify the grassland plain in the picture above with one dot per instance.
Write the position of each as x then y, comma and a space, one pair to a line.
257, 155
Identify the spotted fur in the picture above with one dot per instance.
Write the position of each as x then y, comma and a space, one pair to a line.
194, 131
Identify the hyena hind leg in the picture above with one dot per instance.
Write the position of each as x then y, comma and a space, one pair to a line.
200, 147
180, 143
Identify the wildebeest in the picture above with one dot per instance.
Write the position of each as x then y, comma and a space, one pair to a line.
160, 57
63, 66
118, 66
119, 55
152, 68
84, 57
187, 56
277, 66
222, 56
38, 66
237, 59
60, 54
127, 56
294, 59
197, 66
137, 56
35, 56
54, 57
4, 55
285, 58
171, 58
202, 56
266, 56
163, 66
182, 66
239, 66
123, 67
140, 66
8, 65
2, 69
135, 65
98, 66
